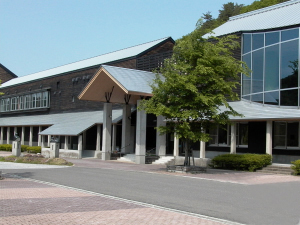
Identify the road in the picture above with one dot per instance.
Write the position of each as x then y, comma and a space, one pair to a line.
273, 203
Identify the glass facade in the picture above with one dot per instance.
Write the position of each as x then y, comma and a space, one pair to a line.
273, 59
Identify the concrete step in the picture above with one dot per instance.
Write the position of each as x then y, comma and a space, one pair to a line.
277, 169
127, 158
164, 160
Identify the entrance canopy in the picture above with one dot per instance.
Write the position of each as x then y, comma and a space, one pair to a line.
118, 85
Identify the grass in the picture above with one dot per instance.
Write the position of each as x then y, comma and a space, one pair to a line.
35, 159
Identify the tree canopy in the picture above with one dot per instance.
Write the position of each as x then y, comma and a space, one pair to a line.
193, 85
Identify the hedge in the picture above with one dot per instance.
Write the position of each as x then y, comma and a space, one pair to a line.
8, 147
296, 167
245, 162
34, 149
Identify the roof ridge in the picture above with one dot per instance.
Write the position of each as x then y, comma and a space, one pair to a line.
165, 38
104, 65
265, 9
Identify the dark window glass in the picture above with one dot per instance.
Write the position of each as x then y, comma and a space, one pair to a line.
257, 71
289, 64
247, 79
257, 41
257, 98
222, 139
272, 38
292, 134
289, 34
243, 134
289, 98
247, 97
246, 43
272, 98
279, 134
272, 68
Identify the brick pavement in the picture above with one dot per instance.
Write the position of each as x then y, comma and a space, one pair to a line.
27, 202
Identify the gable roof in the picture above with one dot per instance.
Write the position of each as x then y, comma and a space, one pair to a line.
91, 62
276, 16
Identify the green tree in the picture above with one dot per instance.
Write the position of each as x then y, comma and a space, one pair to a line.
193, 85
229, 9
260, 4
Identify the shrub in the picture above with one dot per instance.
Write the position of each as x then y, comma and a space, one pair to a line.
24, 148
296, 167
245, 162
6, 147
34, 149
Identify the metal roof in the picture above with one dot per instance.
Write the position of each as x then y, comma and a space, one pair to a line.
132, 80
62, 123
109, 57
256, 111
276, 16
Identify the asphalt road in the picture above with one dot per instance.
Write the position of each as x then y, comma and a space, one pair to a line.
274, 204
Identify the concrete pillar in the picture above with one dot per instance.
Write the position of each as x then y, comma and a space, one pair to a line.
30, 135
106, 138
84, 140
1, 135
49, 139
39, 136
66, 143
8, 135
160, 139
16, 148
233, 139
23, 136
176, 146
79, 146
202, 150
140, 147
54, 150
43, 141
98, 137
126, 124
269, 138
114, 137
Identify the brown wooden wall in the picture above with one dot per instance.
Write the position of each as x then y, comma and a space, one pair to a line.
5, 74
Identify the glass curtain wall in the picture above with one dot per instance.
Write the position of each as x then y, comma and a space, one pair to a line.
273, 59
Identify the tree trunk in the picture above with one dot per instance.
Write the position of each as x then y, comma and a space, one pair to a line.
186, 148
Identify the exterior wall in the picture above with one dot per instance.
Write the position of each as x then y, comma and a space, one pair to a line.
5, 74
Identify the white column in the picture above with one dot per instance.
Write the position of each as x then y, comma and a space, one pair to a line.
140, 146
30, 135
106, 136
66, 143
126, 124
84, 140
8, 135
1, 135
176, 146
39, 136
114, 137
23, 136
49, 139
202, 150
79, 146
98, 137
43, 141
160, 139
233, 138
269, 138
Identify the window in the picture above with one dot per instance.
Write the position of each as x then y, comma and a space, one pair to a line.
221, 135
25, 102
286, 135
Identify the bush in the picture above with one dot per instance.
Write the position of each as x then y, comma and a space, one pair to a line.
24, 148
6, 147
34, 149
296, 167
245, 162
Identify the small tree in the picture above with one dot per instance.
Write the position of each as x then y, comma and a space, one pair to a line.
192, 86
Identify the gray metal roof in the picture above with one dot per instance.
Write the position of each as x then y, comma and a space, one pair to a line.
132, 80
280, 15
256, 111
109, 57
63, 123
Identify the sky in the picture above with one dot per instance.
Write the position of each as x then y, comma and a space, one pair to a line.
37, 35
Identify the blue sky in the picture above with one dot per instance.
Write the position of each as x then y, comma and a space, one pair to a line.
37, 35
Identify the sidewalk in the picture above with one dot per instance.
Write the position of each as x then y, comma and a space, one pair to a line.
27, 202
